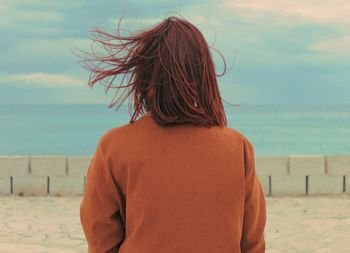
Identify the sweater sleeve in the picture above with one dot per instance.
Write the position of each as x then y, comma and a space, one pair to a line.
252, 240
100, 208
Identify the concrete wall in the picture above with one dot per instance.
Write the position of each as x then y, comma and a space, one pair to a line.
279, 175
297, 175
43, 175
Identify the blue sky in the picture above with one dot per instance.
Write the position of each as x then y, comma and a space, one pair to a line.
279, 51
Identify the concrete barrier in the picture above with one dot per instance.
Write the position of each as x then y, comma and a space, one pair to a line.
288, 185
278, 175
48, 166
63, 186
13, 166
30, 185
271, 165
78, 165
325, 184
338, 164
5, 186
306, 165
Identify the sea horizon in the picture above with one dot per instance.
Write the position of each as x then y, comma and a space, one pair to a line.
74, 128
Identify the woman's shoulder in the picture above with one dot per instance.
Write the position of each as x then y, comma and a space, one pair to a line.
235, 133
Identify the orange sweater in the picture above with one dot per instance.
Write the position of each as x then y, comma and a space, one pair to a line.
182, 189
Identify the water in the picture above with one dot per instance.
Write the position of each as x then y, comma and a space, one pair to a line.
76, 129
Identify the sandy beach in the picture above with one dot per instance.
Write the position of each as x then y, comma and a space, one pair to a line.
312, 224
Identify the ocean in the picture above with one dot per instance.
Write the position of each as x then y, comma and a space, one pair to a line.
53, 129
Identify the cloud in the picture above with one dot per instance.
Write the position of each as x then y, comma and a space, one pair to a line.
338, 47
335, 11
50, 47
154, 20
279, 48
137, 21
14, 17
275, 32
46, 79
42, 55
3, 7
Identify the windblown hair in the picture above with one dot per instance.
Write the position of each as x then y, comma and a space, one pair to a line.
169, 69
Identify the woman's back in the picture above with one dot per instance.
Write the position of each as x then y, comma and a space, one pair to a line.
173, 189
177, 179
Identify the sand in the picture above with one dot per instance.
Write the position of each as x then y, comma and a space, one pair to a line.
307, 224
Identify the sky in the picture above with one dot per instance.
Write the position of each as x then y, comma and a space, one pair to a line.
277, 51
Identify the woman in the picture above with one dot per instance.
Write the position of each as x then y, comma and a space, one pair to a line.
177, 179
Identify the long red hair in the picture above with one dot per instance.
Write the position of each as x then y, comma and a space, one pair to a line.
169, 71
